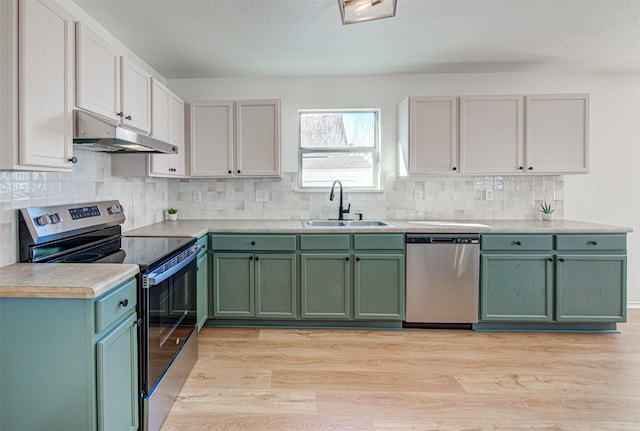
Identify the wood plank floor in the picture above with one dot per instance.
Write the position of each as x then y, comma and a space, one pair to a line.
411, 380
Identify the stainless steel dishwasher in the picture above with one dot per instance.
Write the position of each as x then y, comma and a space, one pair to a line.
443, 274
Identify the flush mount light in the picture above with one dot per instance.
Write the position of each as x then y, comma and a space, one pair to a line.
353, 11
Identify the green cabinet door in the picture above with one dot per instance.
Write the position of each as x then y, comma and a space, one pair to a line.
379, 286
117, 374
202, 289
516, 287
591, 288
275, 285
233, 285
325, 286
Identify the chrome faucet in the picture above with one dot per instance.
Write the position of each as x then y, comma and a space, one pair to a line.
341, 210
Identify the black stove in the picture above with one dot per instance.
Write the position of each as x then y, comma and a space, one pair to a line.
91, 233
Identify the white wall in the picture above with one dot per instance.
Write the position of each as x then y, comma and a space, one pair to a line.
606, 195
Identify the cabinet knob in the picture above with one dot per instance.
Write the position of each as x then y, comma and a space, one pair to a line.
521, 168
238, 170
253, 243
530, 168
73, 160
357, 259
347, 259
128, 117
229, 171
124, 302
593, 243
120, 114
561, 259
257, 258
454, 168
550, 259
250, 257
516, 243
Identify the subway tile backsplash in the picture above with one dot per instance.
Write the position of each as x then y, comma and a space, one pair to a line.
410, 198
145, 199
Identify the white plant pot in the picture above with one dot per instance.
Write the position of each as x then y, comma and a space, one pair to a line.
172, 217
547, 217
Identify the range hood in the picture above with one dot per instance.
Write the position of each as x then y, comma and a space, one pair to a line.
95, 134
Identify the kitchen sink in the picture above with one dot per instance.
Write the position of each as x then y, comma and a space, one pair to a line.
344, 223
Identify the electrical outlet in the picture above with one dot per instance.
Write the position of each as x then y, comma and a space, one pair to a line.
261, 196
197, 196
418, 195
488, 195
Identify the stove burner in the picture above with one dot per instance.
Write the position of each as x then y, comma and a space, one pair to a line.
82, 257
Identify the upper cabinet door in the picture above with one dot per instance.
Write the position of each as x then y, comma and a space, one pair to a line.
257, 138
557, 133
45, 85
98, 75
135, 96
177, 165
491, 134
428, 134
211, 139
160, 96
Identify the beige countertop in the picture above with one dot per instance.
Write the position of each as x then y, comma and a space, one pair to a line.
195, 228
62, 280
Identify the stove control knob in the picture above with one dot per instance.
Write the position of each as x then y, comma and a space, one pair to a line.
55, 218
42, 220
114, 209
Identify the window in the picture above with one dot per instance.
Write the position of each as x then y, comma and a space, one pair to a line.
339, 145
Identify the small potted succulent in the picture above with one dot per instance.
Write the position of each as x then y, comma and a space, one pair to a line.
172, 214
546, 210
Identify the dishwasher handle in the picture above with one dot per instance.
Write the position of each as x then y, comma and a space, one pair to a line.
443, 239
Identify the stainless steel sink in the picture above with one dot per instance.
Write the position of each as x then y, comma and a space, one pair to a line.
344, 223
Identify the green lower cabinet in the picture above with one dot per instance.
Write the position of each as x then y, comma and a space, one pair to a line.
202, 288
70, 364
516, 287
254, 285
275, 285
117, 373
233, 285
591, 288
325, 286
379, 286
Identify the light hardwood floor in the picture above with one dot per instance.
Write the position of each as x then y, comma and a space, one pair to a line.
410, 380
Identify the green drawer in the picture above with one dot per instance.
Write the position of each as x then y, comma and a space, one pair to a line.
253, 242
517, 242
591, 242
324, 242
378, 242
119, 302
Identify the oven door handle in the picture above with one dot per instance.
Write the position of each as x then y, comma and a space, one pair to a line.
155, 278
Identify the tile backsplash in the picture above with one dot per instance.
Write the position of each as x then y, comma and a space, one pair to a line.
145, 199
410, 198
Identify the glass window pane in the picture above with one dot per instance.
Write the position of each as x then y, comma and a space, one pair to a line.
352, 169
337, 129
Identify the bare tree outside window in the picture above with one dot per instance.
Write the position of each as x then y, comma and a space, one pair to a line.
339, 145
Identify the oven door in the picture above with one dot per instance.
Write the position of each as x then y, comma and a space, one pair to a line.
168, 312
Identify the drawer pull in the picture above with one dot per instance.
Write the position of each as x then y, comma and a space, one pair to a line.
550, 259
561, 259
124, 302
516, 243
592, 242
253, 243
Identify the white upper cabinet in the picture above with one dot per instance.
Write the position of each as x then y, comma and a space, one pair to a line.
110, 85
557, 133
428, 134
491, 134
167, 125
229, 139
38, 44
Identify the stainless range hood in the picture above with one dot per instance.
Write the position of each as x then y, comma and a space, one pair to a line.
94, 134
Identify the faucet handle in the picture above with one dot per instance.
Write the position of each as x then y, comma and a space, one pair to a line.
346, 210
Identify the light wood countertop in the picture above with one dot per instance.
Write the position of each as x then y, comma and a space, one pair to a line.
62, 280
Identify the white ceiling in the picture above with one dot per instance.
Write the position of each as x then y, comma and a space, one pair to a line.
263, 38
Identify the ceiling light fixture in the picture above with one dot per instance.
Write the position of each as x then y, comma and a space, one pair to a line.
352, 11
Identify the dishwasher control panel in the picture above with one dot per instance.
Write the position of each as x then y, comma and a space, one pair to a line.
417, 238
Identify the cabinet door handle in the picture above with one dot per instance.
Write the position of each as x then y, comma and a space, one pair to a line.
347, 259
550, 259
120, 114
521, 168
454, 168
73, 160
250, 257
128, 117
593, 243
561, 259
238, 170
516, 243
357, 259
253, 243
257, 258
124, 302
229, 172
530, 168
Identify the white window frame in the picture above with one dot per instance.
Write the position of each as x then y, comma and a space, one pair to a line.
375, 150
